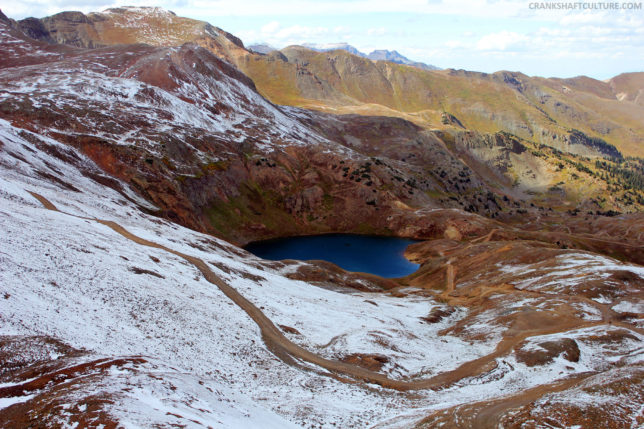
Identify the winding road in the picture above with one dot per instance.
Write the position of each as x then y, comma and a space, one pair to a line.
289, 352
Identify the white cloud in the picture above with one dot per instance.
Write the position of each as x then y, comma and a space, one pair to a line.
271, 27
456, 44
380, 31
583, 18
277, 35
299, 32
502, 41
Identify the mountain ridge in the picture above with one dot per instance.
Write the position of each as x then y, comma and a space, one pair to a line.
376, 55
395, 57
307, 68
327, 47
131, 173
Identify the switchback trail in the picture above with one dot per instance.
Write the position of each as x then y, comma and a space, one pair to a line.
284, 349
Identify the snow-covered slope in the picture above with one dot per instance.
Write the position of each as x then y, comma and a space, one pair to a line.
67, 276
134, 95
96, 290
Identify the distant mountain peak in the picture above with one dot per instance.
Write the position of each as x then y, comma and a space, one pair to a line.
396, 57
261, 48
385, 52
144, 10
326, 47
376, 55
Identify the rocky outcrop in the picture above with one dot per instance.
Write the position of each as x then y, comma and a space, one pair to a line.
596, 145
547, 351
35, 29
577, 142
70, 28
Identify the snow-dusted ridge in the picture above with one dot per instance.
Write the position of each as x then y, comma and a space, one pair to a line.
113, 103
133, 96
76, 280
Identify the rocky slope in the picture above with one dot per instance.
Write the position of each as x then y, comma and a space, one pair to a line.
191, 134
398, 58
545, 111
123, 168
112, 316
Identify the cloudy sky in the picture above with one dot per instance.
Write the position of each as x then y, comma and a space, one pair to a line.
482, 35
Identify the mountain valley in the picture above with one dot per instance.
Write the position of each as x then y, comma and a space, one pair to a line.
140, 150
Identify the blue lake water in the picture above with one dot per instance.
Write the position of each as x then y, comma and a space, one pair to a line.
382, 256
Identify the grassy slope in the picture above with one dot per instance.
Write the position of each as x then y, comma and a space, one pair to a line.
630, 86
340, 82
482, 102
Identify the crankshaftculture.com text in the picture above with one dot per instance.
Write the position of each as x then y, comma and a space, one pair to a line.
586, 6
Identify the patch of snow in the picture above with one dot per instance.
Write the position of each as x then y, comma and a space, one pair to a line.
7, 402
565, 271
629, 307
587, 311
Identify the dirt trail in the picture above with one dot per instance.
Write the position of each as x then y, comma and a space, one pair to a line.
545, 236
484, 239
286, 350
488, 414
